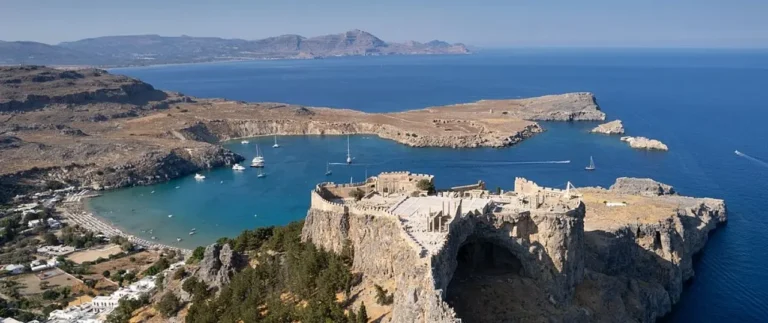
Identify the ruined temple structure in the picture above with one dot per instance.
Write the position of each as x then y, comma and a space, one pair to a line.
533, 254
399, 232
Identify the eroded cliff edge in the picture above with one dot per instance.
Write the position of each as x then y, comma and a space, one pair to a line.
534, 254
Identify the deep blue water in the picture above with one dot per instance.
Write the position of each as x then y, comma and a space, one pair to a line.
702, 104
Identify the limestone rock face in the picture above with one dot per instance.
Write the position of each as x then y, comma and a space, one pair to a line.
549, 248
219, 264
644, 143
647, 260
641, 186
611, 128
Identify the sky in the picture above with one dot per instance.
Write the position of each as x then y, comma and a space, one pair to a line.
483, 23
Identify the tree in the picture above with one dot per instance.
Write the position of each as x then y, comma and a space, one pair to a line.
159, 281
426, 185
105, 274
168, 304
126, 246
382, 298
197, 255
179, 274
50, 239
362, 314
358, 194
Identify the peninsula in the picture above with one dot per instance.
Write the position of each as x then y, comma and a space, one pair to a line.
90, 128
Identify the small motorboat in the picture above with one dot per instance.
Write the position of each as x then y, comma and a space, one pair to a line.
178, 239
261, 174
170, 215
154, 238
199, 177
244, 142
238, 167
191, 232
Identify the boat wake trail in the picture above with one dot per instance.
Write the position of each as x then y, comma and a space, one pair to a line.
504, 163
758, 161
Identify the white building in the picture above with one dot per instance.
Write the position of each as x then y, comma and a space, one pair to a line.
53, 223
14, 269
39, 265
56, 250
101, 306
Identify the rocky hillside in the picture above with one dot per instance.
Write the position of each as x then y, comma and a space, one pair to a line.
35, 87
155, 49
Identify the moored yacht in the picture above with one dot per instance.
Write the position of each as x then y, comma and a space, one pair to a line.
244, 142
275, 145
591, 165
237, 167
257, 161
199, 177
349, 156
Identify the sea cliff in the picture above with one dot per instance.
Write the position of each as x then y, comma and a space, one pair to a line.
594, 262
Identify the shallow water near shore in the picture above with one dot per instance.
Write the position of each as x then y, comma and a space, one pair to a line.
703, 105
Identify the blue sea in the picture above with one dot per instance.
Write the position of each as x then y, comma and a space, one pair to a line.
702, 104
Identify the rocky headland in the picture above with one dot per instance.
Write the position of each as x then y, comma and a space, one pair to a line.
610, 128
534, 254
94, 129
644, 143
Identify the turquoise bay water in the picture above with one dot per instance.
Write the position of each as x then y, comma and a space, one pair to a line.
704, 105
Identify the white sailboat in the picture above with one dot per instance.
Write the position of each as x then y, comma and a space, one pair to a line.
275, 145
261, 174
349, 156
591, 165
257, 161
328, 169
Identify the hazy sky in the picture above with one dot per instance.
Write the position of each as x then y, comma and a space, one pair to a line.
491, 23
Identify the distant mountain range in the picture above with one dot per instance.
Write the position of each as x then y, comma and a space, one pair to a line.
155, 49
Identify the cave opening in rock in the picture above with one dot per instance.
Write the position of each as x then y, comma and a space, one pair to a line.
490, 284
483, 257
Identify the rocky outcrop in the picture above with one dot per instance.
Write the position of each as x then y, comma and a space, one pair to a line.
604, 266
611, 128
218, 265
641, 186
548, 247
644, 143
647, 260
